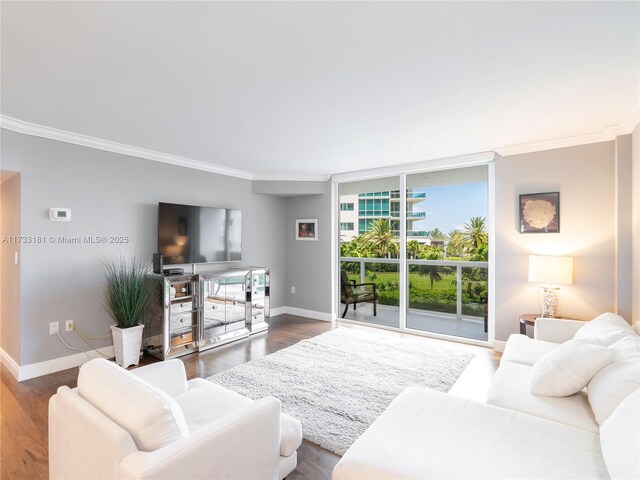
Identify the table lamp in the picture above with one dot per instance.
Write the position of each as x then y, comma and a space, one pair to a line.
550, 271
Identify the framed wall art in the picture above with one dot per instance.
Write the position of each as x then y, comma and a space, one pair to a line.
307, 229
540, 212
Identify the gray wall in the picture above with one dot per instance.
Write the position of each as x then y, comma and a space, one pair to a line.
309, 263
10, 273
111, 194
584, 176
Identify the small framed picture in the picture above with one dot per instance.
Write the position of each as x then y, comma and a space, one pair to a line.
540, 213
307, 229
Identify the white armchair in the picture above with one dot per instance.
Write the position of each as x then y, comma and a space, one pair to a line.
151, 423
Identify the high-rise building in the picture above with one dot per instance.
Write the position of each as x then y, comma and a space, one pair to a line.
357, 211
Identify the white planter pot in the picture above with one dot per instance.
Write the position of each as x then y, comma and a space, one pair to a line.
127, 343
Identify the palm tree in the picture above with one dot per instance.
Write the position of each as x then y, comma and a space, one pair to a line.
457, 245
437, 234
380, 237
433, 271
413, 248
475, 232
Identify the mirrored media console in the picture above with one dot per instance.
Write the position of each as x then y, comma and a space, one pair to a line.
194, 312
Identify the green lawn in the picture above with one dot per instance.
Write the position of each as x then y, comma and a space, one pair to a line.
447, 284
442, 298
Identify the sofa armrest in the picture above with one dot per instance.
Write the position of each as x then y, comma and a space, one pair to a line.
83, 442
169, 376
243, 444
555, 330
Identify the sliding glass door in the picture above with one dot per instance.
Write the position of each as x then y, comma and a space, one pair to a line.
416, 247
369, 251
447, 252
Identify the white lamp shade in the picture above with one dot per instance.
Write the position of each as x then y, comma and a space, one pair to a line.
551, 270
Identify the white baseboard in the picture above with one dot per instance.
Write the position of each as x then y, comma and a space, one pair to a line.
274, 312
33, 370
301, 312
498, 345
8, 361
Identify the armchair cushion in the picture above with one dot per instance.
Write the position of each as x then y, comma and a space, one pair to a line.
357, 297
241, 445
290, 435
206, 402
152, 418
352, 292
169, 376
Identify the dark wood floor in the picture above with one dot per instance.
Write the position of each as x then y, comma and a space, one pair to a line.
23, 409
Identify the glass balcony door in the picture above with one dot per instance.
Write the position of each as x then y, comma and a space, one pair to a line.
447, 252
370, 252
414, 252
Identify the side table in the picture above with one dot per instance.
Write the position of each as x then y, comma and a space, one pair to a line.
527, 319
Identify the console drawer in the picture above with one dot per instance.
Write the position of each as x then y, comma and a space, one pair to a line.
182, 339
179, 307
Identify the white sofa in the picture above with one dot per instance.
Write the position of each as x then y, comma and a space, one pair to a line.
426, 434
151, 423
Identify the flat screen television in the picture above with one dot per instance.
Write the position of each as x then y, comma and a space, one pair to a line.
190, 234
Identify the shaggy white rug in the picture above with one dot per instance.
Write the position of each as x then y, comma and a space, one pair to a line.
339, 382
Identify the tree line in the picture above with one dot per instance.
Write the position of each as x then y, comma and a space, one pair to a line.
470, 243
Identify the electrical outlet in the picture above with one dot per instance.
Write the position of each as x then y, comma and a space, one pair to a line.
68, 326
293, 290
53, 328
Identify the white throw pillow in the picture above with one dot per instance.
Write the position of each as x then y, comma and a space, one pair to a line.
606, 329
567, 369
152, 418
617, 380
620, 439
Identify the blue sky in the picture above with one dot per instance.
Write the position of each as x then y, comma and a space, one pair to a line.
450, 206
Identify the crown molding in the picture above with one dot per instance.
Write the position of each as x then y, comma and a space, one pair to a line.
408, 168
603, 136
608, 133
289, 177
28, 128
632, 117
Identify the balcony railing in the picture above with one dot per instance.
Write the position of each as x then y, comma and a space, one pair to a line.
409, 195
412, 233
392, 194
373, 213
410, 214
462, 269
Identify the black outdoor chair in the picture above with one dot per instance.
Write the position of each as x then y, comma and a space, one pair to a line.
352, 294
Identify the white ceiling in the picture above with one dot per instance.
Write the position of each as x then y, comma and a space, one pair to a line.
308, 89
